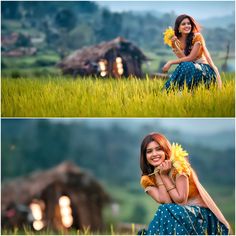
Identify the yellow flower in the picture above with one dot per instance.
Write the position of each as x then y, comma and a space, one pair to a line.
178, 156
168, 34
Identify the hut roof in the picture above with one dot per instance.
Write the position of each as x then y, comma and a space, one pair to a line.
94, 53
23, 189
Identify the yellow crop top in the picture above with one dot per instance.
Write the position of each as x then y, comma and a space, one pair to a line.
147, 181
197, 38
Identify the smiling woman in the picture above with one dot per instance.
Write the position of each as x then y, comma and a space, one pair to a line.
169, 179
195, 65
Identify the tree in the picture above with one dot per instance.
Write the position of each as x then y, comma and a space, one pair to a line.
11, 10
65, 20
23, 41
87, 7
80, 36
110, 26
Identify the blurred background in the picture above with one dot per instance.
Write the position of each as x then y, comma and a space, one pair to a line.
107, 152
36, 35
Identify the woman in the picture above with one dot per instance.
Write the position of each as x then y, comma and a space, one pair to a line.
195, 63
168, 178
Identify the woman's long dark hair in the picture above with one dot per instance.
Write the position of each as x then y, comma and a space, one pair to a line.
165, 146
194, 29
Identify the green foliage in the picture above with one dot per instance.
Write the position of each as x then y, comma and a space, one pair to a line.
139, 213
110, 26
44, 62
39, 72
66, 19
103, 24
40, 65
23, 41
57, 97
10, 10
85, 35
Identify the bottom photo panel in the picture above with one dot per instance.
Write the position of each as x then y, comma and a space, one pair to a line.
118, 176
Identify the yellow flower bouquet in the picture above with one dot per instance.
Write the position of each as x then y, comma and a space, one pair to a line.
168, 35
178, 158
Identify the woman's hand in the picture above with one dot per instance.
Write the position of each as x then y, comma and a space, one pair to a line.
165, 167
166, 67
173, 39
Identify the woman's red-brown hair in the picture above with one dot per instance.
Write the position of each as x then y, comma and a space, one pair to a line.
164, 144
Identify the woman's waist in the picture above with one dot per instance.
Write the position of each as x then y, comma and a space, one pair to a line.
201, 60
195, 201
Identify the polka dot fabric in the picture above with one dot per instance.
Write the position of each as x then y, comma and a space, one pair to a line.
192, 74
173, 219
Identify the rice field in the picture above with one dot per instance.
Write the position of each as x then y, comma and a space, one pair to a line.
89, 97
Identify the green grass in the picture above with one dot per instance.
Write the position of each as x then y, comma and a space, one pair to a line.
60, 97
129, 204
224, 197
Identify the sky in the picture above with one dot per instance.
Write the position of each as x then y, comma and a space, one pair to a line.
199, 126
198, 9
183, 125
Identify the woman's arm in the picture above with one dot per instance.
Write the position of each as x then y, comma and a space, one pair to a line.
178, 53
191, 57
176, 47
211, 63
178, 192
159, 193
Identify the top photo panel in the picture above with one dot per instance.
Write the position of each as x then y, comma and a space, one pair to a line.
117, 59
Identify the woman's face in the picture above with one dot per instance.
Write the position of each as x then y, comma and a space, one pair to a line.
185, 26
154, 154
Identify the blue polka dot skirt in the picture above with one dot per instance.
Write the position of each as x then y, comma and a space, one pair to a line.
192, 74
173, 219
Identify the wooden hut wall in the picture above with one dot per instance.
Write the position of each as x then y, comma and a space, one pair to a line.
137, 66
96, 217
74, 196
84, 210
50, 197
110, 57
130, 65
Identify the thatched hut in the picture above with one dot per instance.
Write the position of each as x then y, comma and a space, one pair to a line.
115, 58
60, 198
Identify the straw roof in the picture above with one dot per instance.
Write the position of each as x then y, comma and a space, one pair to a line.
81, 58
24, 189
